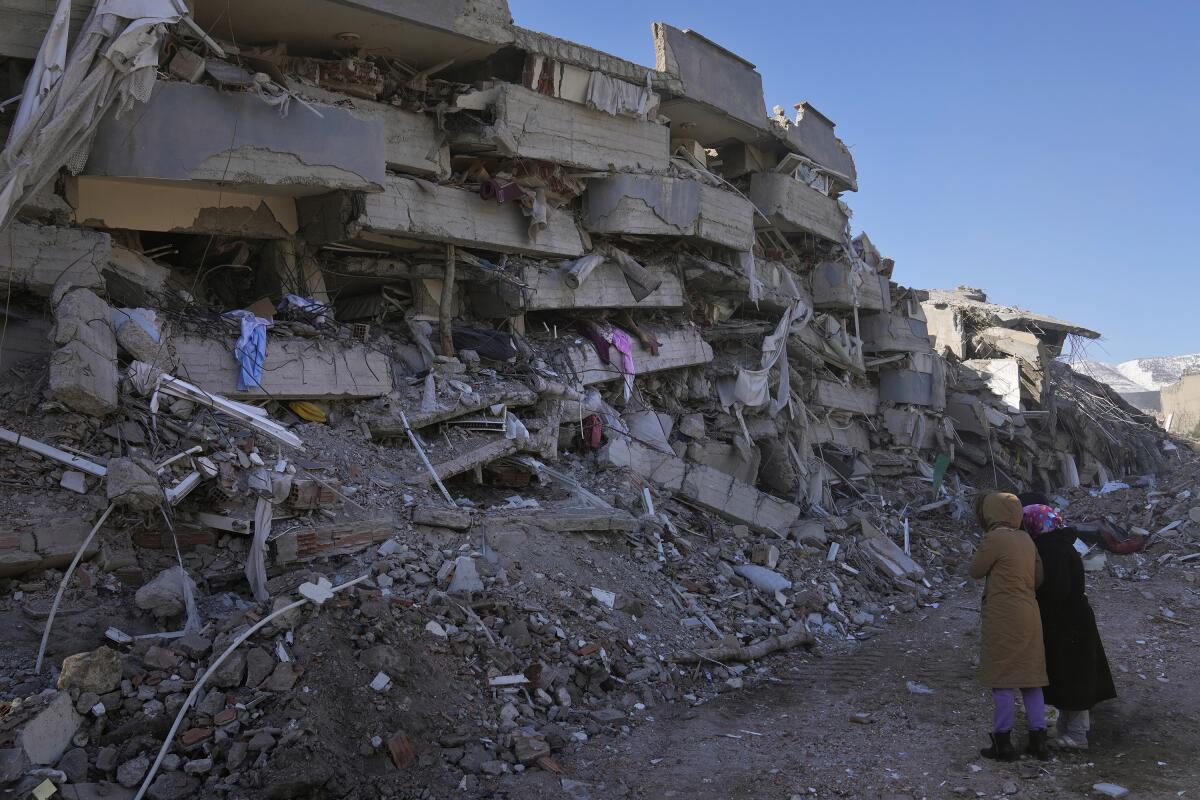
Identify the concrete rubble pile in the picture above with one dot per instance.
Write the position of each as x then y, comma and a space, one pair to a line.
574, 362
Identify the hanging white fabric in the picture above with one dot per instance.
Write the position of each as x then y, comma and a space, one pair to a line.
47, 68
113, 63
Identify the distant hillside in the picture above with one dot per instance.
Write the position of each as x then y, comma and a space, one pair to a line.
1155, 373
1111, 375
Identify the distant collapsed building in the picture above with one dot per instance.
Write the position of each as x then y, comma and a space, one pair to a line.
410, 182
1181, 406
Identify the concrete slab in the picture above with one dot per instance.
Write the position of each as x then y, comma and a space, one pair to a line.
295, 369
419, 32
906, 386
409, 209
910, 428
855, 398
852, 435
528, 124
795, 207
190, 132
707, 487
837, 286
656, 205
888, 332
83, 371
36, 257
605, 287
680, 347
411, 141
720, 96
812, 135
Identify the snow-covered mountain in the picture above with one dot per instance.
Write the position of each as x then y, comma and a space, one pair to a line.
1141, 374
1109, 374
1155, 373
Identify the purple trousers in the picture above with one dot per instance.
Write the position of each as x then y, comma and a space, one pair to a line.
1005, 714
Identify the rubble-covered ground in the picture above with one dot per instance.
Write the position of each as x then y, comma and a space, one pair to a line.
604, 702
397, 402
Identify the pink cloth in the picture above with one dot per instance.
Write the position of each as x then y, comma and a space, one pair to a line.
623, 342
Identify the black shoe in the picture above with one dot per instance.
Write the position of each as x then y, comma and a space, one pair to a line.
1037, 745
1002, 748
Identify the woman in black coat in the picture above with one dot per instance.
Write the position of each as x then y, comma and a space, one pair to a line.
1075, 661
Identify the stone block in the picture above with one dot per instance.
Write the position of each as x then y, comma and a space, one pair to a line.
36, 258
83, 371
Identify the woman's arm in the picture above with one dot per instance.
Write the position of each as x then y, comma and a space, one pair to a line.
985, 557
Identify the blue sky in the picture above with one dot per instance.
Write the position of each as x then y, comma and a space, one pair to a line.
1046, 152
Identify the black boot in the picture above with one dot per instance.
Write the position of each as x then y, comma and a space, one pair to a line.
1002, 748
1037, 745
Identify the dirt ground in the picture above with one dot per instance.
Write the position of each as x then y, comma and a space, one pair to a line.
795, 737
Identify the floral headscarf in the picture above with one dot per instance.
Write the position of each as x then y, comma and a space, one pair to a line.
1039, 519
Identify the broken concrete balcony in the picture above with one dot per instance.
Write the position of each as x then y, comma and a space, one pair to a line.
657, 205
780, 286
794, 207
37, 257
720, 95
528, 124
910, 387
421, 33
838, 286
811, 135
856, 399
571, 65
412, 143
955, 314
892, 332
545, 288
408, 209
679, 347
295, 369
195, 134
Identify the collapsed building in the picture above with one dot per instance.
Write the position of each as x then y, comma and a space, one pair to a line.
487, 260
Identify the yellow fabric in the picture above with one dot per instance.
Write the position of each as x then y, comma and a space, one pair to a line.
309, 412
1012, 654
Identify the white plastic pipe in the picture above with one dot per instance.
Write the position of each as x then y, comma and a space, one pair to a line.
191, 698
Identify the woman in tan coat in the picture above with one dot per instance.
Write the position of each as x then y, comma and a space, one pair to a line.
1012, 655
